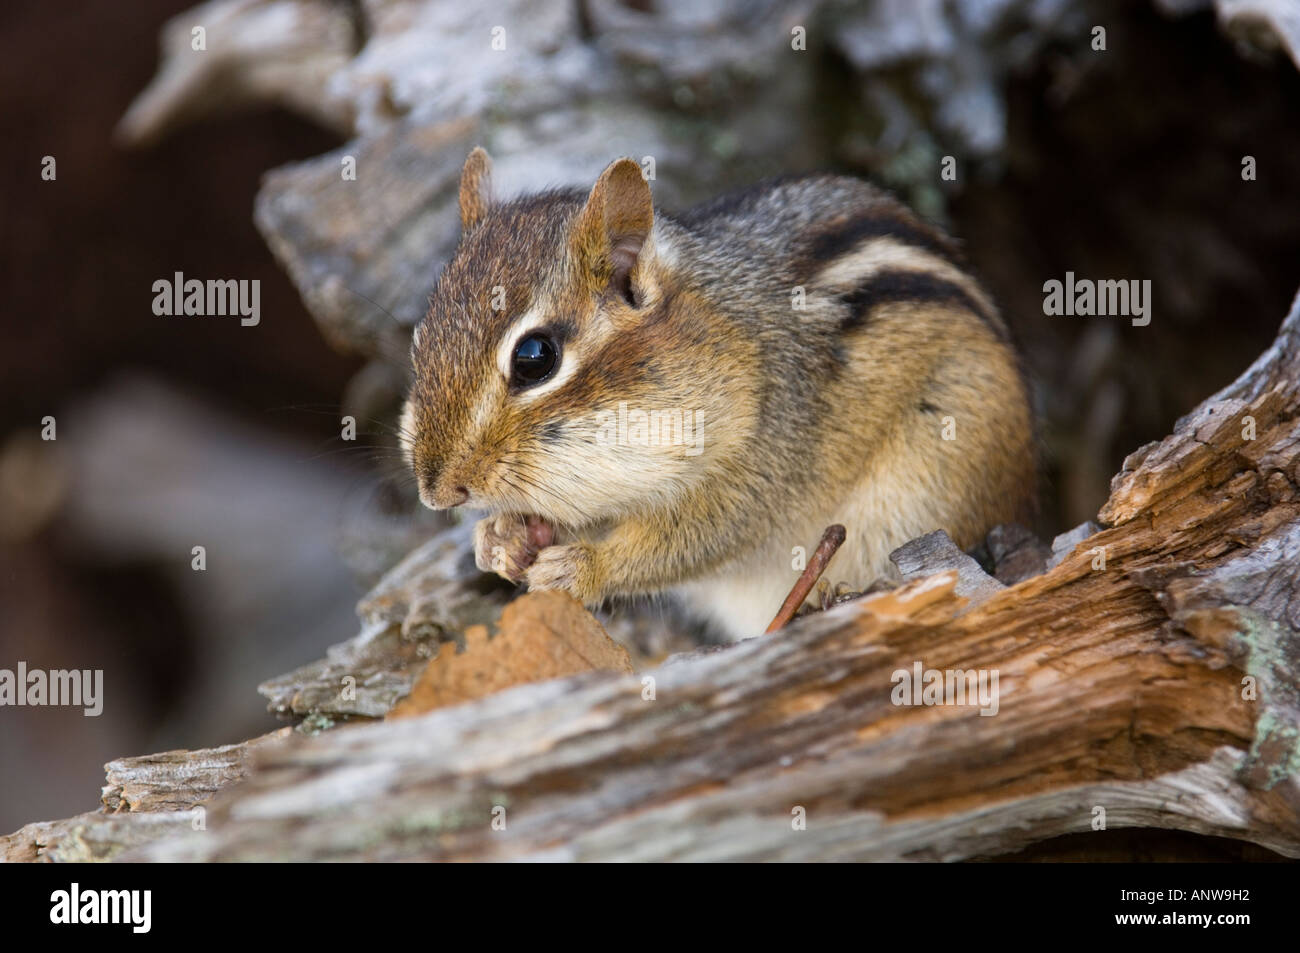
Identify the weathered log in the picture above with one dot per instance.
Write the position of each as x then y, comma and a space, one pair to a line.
935, 553
1148, 680
178, 780
427, 599
226, 54
93, 836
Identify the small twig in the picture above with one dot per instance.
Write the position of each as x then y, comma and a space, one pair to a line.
832, 540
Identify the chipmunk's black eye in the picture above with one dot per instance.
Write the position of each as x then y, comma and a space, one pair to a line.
535, 359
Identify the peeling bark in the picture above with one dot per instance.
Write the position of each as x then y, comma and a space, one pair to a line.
1148, 680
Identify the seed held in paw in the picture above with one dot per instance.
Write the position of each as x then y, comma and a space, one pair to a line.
540, 533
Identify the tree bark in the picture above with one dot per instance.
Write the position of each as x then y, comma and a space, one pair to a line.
1148, 679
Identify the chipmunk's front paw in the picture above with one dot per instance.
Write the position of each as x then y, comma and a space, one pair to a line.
571, 568
502, 546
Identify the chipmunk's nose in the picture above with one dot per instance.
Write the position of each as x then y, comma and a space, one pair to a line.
442, 485
440, 495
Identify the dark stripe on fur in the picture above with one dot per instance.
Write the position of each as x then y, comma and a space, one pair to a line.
912, 286
832, 243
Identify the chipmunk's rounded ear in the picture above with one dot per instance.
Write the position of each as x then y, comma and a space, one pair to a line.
475, 188
614, 225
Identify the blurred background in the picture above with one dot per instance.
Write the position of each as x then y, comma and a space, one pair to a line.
1120, 162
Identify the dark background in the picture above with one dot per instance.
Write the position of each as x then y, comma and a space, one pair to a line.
1126, 165
79, 257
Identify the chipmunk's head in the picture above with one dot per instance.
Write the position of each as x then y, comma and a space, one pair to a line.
541, 329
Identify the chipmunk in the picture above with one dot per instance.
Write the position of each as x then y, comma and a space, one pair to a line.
835, 361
